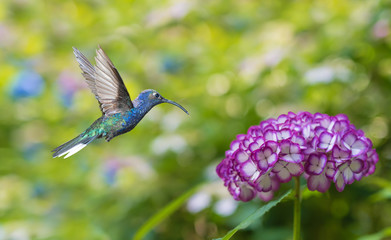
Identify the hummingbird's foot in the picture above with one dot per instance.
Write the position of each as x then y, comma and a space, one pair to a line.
108, 137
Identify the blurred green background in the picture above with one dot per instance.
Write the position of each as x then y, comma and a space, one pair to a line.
231, 63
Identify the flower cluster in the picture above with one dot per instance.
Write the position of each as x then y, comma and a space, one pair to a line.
322, 148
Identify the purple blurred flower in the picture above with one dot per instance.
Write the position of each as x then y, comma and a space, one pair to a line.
322, 148
110, 170
381, 29
68, 86
27, 83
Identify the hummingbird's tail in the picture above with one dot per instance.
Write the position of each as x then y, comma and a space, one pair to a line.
73, 146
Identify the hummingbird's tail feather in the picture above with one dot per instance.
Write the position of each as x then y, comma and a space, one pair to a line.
73, 146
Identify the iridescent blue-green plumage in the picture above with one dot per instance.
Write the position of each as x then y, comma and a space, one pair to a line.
119, 113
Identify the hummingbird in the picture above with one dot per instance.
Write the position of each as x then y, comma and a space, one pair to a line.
119, 113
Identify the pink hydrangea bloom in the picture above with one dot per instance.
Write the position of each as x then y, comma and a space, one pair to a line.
320, 147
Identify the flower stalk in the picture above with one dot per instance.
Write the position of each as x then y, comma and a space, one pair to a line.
296, 211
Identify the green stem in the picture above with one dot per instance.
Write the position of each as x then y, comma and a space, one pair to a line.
297, 213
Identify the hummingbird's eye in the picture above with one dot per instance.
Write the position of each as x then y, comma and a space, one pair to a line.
156, 95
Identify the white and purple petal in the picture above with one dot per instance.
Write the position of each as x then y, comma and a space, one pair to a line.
342, 117
299, 140
253, 147
241, 156
346, 173
340, 126
263, 183
246, 192
340, 155
372, 156
221, 169
285, 170
270, 135
356, 165
292, 115
326, 141
330, 170
275, 146
318, 182
324, 121
245, 143
316, 163
265, 158
254, 131
256, 144
283, 118
240, 137
235, 145
371, 169
339, 181
266, 196
269, 124
290, 152
311, 146
351, 141
247, 169
283, 134
307, 131
358, 176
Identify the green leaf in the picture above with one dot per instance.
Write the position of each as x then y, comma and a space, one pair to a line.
383, 234
257, 214
164, 213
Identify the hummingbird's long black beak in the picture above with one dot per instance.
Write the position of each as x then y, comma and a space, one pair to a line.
176, 104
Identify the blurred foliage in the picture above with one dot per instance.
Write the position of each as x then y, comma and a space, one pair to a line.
231, 63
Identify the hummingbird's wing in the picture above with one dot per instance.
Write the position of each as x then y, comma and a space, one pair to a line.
111, 90
105, 82
88, 72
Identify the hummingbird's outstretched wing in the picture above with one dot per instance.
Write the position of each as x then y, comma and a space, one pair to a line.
88, 70
112, 93
105, 82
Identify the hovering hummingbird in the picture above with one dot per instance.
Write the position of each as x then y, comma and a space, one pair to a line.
119, 113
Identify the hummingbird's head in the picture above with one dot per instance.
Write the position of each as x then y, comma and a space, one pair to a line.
150, 98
